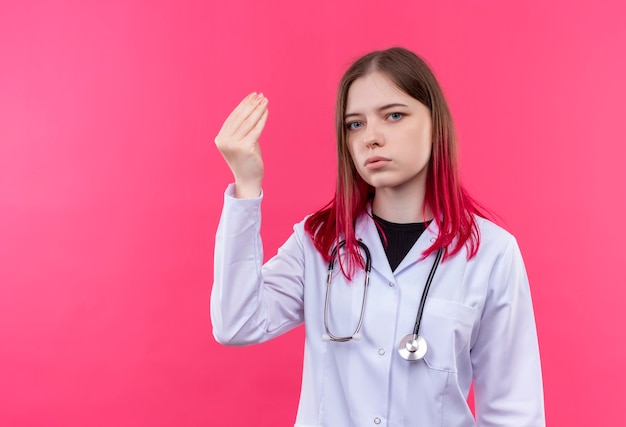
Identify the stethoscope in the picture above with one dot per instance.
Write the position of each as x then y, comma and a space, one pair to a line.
413, 346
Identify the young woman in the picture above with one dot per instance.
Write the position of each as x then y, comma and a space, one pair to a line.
409, 295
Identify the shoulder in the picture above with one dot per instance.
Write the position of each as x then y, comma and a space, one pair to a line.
299, 226
499, 254
494, 239
299, 229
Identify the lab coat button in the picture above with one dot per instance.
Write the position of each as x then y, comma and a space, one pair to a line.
381, 351
376, 420
433, 240
391, 284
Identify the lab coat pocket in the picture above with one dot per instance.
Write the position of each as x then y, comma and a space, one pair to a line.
447, 327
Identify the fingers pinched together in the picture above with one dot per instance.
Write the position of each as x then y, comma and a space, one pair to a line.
238, 141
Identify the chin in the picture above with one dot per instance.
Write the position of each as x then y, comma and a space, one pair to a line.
384, 184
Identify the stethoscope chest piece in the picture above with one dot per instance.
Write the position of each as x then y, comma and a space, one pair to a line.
412, 347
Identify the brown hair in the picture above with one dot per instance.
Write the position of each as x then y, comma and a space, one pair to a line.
452, 207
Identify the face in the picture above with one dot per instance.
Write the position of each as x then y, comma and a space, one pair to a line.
388, 134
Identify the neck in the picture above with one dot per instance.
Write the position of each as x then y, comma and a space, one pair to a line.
393, 206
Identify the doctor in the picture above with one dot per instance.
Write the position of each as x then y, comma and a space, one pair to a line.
396, 338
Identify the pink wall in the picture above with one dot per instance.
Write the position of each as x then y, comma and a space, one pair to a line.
110, 189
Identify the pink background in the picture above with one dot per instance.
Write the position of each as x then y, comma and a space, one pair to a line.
111, 188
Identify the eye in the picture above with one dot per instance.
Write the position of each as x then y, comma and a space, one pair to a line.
394, 117
354, 125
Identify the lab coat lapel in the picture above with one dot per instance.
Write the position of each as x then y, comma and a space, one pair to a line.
366, 231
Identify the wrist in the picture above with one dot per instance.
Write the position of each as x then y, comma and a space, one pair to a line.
247, 190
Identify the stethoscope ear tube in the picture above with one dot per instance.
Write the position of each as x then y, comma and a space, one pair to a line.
356, 335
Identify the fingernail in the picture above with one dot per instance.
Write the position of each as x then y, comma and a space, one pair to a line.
259, 95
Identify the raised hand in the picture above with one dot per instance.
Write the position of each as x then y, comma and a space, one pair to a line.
238, 141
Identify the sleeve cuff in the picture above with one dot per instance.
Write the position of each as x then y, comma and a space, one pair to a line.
230, 194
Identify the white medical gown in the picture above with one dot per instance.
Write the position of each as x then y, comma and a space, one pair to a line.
478, 322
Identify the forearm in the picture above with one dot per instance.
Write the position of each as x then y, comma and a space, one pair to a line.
251, 303
237, 271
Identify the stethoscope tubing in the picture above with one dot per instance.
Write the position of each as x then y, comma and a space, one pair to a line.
412, 347
431, 275
331, 265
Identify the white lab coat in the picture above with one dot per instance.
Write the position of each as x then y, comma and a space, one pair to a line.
478, 322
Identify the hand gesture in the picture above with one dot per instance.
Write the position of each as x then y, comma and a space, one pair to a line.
238, 141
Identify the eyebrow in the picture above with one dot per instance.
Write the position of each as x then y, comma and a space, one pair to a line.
384, 107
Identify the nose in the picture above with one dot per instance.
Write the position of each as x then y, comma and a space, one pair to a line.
373, 136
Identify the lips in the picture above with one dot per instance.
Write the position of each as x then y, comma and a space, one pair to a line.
376, 162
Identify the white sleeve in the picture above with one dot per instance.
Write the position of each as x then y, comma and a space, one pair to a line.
508, 385
252, 302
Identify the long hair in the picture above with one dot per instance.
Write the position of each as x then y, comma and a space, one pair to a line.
450, 203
